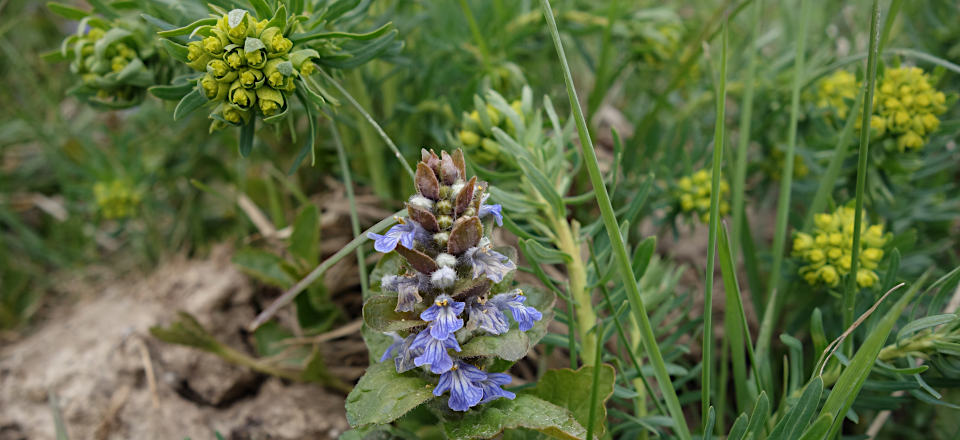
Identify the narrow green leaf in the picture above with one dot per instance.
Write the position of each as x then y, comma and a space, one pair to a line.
850, 382
798, 417
176, 50
68, 12
925, 323
543, 185
264, 266
759, 415
819, 428
305, 238
246, 137
188, 29
189, 103
172, 92
262, 9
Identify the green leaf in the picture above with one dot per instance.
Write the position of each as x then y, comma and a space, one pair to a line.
246, 137
571, 390
68, 12
172, 92
186, 330
797, 418
389, 264
264, 266
759, 415
542, 254
925, 323
188, 29
305, 238
526, 411
818, 429
851, 380
338, 8
379, 314
176, 50
318, 35
514, 344
543, 185
267, 339
189, 103
382, 395
261, 8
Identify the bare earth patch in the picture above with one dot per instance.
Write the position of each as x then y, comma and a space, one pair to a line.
111, 380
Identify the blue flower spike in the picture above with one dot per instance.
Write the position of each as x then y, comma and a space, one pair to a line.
443, 316
451, 257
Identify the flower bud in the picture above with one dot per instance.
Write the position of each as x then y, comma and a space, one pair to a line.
241, 97
197, 56
275, 42
251, 78
234, 56
237, 24
215, 43
221, 71
271, 101
255, 53
214, 90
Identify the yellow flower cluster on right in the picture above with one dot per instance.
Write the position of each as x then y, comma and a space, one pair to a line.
836, 91
693, 192
827, 251
906, 106
476, 134
116, 199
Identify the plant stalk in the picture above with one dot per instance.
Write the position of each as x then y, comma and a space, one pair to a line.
616, 239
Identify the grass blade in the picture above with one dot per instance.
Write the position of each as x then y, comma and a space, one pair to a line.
613, 231
721, 95
850, 293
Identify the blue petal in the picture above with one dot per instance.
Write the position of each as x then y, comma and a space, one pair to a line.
495, 210
442, 316
491, 387
397, 342
464, 392
435, 352
400, 233
488, 318
489, 262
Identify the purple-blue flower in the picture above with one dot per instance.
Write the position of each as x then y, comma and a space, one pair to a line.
403, 233
442, 316
495, 210
397, 342
434, 351
487, 317
491, 387
403, 360
513, 301
486, 261
461, 381
407, 289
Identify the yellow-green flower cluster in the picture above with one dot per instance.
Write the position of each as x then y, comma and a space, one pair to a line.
111, 63
116, 199
826, 252
774, 165
906, 106
250, 67
837, 91
476, 131
693, 193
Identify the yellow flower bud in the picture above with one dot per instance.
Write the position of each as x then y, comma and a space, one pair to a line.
866, 278
469, 138
802, 242
829, 275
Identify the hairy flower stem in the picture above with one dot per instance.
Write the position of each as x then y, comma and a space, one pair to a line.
577, 273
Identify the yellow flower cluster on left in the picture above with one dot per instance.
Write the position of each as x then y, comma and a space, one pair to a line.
826, 252
693, 192
116, 199
907, 107
836, 91
249, 67
112, 63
